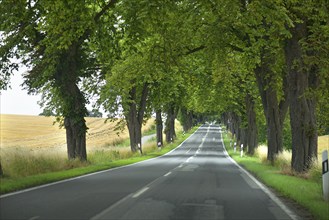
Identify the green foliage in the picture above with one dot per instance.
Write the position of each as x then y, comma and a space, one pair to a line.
199, 55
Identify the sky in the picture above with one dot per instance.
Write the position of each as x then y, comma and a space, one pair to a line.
16, 101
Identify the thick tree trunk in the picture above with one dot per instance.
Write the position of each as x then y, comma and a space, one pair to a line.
302, 106
170, 125
74, 109
134, 129
159, 128
75, 139
252, 125
70, 139
74, 122
133, 124
274, 112
135, 116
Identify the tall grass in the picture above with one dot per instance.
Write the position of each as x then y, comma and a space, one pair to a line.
24, 163
283, 162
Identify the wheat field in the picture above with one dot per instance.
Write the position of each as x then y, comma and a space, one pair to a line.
39, 133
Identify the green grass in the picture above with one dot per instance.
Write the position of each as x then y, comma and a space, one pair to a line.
306, 192
98, 161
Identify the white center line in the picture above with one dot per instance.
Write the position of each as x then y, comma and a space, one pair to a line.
140, 192
167, 174
190, 158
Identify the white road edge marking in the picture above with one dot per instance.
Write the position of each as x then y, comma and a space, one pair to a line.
91, 174
274, 198
34, 218
140, 192
167, 174
102, 213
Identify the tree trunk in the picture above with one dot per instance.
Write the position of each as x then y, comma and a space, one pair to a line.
1, 171
133, 127
74, 122
252, 125
70, 139
159, 128
302, 106
243, 138
135, 116
187, 119
236, 122
274, 112
133, 124
73, 109
75, 139
170, 125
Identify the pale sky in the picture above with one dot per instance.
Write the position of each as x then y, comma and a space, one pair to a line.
16, 100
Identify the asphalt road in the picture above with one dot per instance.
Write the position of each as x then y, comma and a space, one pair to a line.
195, 181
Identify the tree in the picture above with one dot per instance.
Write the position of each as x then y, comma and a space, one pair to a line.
54, 40
305, 58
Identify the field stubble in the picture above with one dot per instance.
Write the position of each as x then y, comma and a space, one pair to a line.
33, 144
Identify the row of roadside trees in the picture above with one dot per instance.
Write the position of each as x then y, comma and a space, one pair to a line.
248, 61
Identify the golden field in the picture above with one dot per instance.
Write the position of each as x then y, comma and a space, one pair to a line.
323, 144
38, 133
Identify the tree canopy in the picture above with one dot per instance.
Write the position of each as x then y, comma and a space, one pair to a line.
251, 63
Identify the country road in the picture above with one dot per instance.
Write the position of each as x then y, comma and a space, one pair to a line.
196, 181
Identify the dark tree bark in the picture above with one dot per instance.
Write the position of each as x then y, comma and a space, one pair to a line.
1, 171
274, 111
236, 123
159, 128
302, 106
170, 125
134, 127
75, 139
74, 109
187, 119
243, 137
135, 116
252, 125
231, 123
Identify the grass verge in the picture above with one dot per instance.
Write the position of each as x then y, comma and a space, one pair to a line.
306, 192
98, 161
